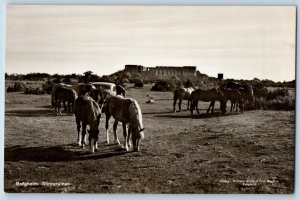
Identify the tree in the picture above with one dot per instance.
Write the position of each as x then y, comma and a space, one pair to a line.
87, 76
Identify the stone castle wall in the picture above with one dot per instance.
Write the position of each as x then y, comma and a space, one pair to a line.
162, 72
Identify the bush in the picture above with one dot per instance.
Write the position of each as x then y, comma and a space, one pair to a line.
47, 87
18, 87
125, 81
139, 84
167, 85
280, 103
34, 91
272, 95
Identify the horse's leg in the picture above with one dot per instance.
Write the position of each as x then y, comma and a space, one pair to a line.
237, 105
106, 126
211, 106
58, 107
125, 134
197, 107
232, 105
83, 134
78, 130
115, 132
174, 104
192, 107
65, 107
128, 136
179, 104
188, 104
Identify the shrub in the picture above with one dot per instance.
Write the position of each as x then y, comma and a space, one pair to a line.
282, 92
139, 83
18, 87
167, 85
47, 87
34, 91
281, 103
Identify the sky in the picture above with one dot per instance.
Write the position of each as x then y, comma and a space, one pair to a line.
240, 42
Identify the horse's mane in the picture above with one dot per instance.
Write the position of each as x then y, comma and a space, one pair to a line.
135, 113
93, 110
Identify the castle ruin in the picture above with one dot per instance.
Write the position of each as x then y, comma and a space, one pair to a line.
162, 72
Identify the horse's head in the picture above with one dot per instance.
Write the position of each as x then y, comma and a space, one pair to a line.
137, 135
93, 138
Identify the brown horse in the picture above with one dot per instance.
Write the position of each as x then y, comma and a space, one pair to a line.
246, 91
63, 95
235, 96
88, 112
210, 95
81, 89
126, 111
182, 94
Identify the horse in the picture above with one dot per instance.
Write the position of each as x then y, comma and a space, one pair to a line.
62, 95
126, 111
247, 94
88, 112
210, 95
120, 90
236, 98
246, 91
81, 89
54, 88
182, 94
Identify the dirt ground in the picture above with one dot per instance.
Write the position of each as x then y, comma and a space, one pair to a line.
250, 152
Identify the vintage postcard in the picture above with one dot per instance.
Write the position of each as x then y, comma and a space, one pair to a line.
150, 99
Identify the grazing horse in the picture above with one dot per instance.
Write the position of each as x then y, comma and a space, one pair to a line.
62, 95
126, 111
182, 94
246, 91
120, 90
88, 112
210, 95
235, 96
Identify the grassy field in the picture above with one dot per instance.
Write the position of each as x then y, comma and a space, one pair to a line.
252, 152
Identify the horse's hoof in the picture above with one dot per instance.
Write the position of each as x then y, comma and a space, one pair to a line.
117, 141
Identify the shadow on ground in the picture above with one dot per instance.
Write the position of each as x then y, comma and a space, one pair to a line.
195, 116
30, 113
33, 113
58, 153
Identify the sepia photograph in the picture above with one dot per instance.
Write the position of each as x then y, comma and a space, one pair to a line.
150, 99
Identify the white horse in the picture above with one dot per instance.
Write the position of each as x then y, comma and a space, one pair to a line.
126, 111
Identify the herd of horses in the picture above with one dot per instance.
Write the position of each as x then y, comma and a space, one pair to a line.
88, 102
238, 94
